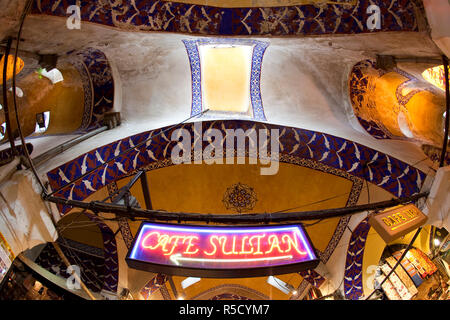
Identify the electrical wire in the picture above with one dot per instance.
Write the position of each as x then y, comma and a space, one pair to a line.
447, 114
19, 127
128, 150
80, 263
312, 203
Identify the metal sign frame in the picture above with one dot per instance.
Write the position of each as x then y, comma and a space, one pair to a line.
221, 272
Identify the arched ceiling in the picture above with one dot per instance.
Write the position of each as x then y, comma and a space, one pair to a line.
303, 81
303, 85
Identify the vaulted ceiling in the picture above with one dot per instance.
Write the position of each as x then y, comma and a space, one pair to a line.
304, 84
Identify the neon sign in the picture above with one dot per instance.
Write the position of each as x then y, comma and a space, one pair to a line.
221, 251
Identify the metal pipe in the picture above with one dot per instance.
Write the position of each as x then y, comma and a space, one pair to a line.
251, 218
74, 274
447, 114
126, 188
146, 192
128, 150
174, 288
27, 154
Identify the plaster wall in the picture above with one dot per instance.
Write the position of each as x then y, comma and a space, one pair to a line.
437, 12
24, 218
10, 15
302, 84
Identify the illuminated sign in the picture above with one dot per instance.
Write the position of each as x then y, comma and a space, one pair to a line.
206, 251
397, 222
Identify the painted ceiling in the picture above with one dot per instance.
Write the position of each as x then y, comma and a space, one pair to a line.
148, 76
201, 188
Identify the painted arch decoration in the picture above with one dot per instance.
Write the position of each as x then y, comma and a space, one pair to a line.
297, 146
102, 80
311, 149
99, 266
301, 18
396, 105
98, 86
353, 273
258, 50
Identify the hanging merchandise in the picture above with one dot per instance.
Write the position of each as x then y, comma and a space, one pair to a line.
387, 287
411, 258
406, 280
412, 272
397, 283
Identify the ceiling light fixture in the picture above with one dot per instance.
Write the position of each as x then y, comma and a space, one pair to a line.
189, 282
281, 285
436, 242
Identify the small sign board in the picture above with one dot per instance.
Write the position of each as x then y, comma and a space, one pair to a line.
221, 252
397, 222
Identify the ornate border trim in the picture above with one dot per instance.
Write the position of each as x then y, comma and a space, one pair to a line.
299, 20
201, 296
102, 83
110, 254
389, 173
88, 90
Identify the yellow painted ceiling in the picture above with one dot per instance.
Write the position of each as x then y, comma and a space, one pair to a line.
200, 188
259, 284
226, 78
78, 227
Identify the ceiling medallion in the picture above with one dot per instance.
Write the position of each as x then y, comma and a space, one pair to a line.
239, 197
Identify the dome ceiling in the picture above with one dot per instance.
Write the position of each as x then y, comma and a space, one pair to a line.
303, 77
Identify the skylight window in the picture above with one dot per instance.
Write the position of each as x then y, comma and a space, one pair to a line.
226, 76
